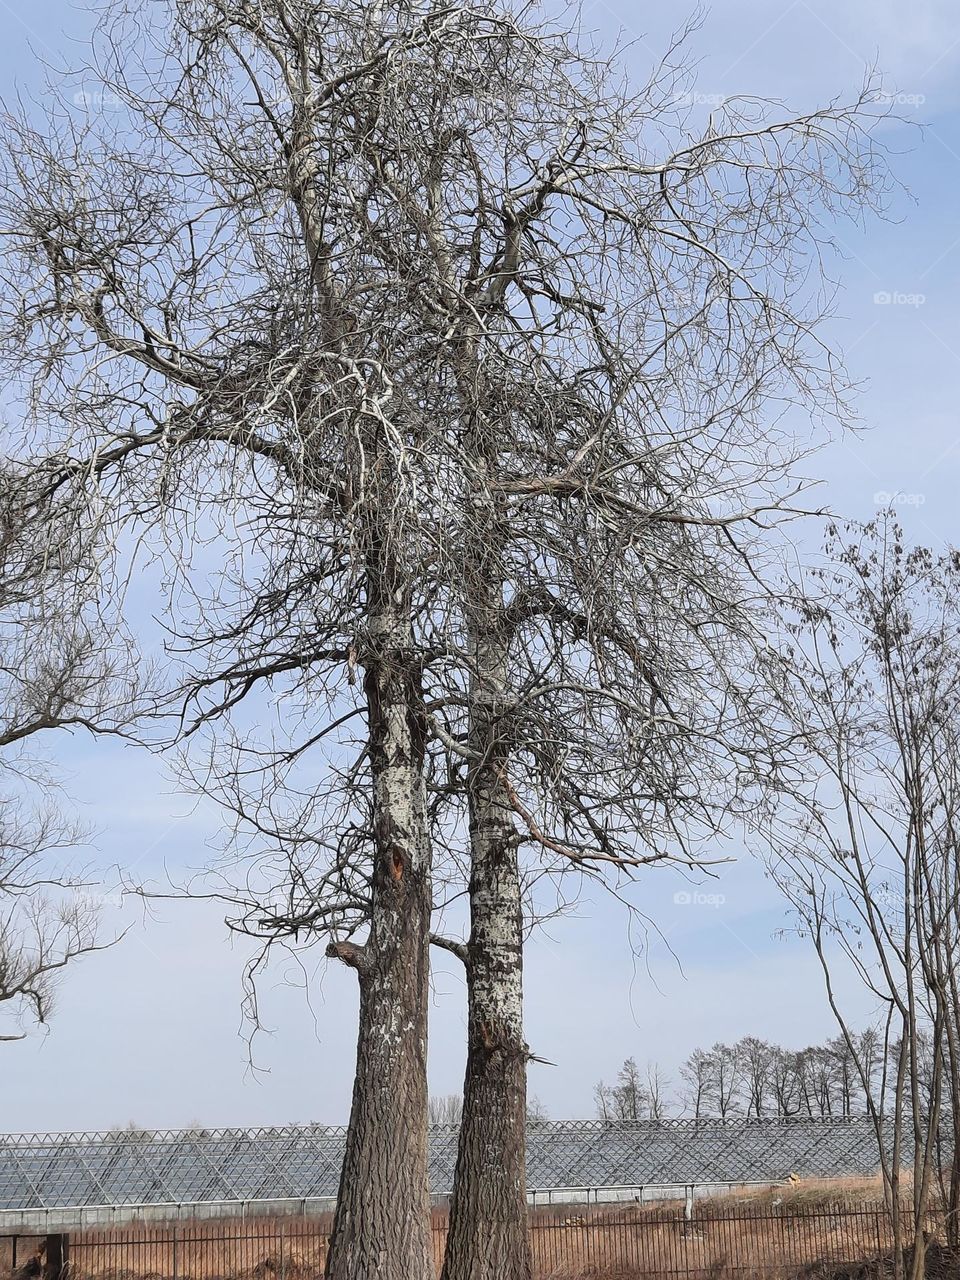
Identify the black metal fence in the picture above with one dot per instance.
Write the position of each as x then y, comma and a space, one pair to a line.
628, 1243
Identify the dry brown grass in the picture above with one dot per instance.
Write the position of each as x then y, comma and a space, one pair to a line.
724, 1239
819, 1232
811, 1192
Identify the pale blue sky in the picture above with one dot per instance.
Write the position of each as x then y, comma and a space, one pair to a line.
149, 1031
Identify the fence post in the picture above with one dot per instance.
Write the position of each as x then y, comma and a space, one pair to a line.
688, 1210
283, 1265
174, 1251
55, 1256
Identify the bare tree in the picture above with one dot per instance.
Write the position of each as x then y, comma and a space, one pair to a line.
63, 666
635, 1096
869, 853
657, 1090
843, 1075
756, 1057
725, 1080
783, 1082
210, 304
536, 1111
603, 1101
48, 916
695, 1074
446, 1109
413, 314
821, 1071
822, 1080
868, 1056
639, 314
630, 1096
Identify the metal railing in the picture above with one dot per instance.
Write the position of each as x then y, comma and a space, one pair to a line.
631, 1243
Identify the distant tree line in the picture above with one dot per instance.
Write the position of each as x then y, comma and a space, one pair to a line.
753, 1078
448, 1109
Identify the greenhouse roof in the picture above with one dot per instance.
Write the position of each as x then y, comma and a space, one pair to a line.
128, 1170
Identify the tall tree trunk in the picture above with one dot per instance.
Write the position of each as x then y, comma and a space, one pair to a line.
488, 1212
488, 1237
381, 1228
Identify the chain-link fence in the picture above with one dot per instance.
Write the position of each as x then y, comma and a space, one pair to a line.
43, 1172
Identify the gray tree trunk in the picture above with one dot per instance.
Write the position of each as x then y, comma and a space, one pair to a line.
488, 1212
381, 1228
488, 1237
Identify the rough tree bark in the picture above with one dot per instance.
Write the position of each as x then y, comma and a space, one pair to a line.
488, 1213
487, 1238
381, 1228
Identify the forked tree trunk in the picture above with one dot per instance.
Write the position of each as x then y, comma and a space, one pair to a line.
381, 1227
